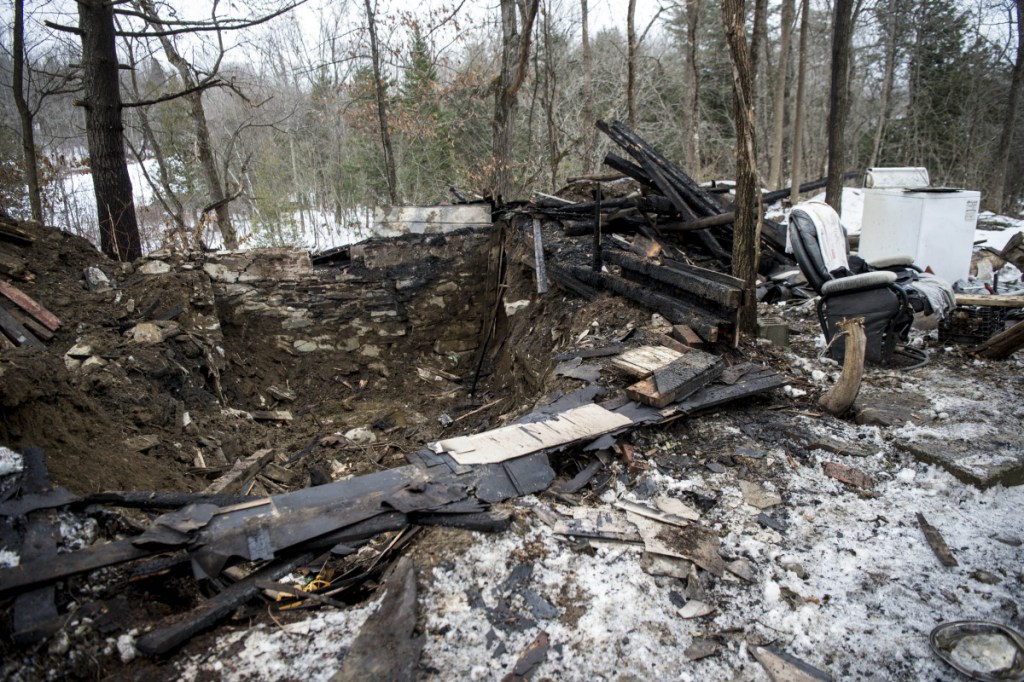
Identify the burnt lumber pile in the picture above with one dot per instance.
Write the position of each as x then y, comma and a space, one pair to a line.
665, 244
669, 202
23, 321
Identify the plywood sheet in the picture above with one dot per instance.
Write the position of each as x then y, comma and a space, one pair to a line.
516, 440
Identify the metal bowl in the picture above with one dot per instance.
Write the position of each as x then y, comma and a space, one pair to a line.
981, 650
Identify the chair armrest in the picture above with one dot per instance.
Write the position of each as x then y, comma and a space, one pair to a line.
867, 280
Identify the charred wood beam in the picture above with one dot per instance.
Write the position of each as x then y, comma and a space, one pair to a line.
673, 182
675, 311
629, 169
564, 279
692, 280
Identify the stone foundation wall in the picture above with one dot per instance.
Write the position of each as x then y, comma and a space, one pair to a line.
411, 295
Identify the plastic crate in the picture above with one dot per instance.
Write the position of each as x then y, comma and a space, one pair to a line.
972, 324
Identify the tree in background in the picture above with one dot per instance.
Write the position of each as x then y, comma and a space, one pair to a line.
515, 59
746, 245
1003, 194
842, 28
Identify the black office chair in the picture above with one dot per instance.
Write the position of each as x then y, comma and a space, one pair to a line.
848, 287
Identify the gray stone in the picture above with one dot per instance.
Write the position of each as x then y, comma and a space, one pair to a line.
96, 279
154, 267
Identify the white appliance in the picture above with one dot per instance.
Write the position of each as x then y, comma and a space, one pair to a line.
933, 226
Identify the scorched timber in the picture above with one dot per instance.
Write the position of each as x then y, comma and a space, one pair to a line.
692, 280
674, 311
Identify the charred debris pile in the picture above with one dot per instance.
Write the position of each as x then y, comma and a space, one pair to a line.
260, 515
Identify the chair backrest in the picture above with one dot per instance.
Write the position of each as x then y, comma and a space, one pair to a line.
818, 241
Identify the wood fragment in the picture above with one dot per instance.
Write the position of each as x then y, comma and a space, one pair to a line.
28, 321
538, 258
35, 614
687, 336
243, 470
386, 648
16, 331
531, 658
29, 305
674, 310
696, 281
851, 476
936, 542
840, 398
168, 637
997, 301
643, 360
15, 268
1002, 345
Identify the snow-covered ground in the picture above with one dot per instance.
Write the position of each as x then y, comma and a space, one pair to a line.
850, 586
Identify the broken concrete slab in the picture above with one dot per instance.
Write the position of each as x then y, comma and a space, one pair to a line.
985, 461
890, 409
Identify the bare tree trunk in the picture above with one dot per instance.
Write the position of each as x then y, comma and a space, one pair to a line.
779, 105
115, 207
887, 79
382, 111
692, 86
204, 144
747, 227
839, 97
798, 121
589, 130
758, 37
28, 139
631, 64
1000, 200
515, 52
550, 101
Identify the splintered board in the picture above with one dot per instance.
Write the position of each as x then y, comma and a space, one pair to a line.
677, 380
504, 443
641, 361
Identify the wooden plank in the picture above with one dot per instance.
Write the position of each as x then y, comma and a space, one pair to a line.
688, 373
998, 301
602, 352
272, 415
35, 612
668, 342
643, 360
16, 331
29, 305
1002, 345
678, 379
243, 470
32, 573
936, 542
674, 310
12, 234
756, 380
696, 281
386, 647
170, 636
26, 320
686, 335
516, 440
646, 391
538, 258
